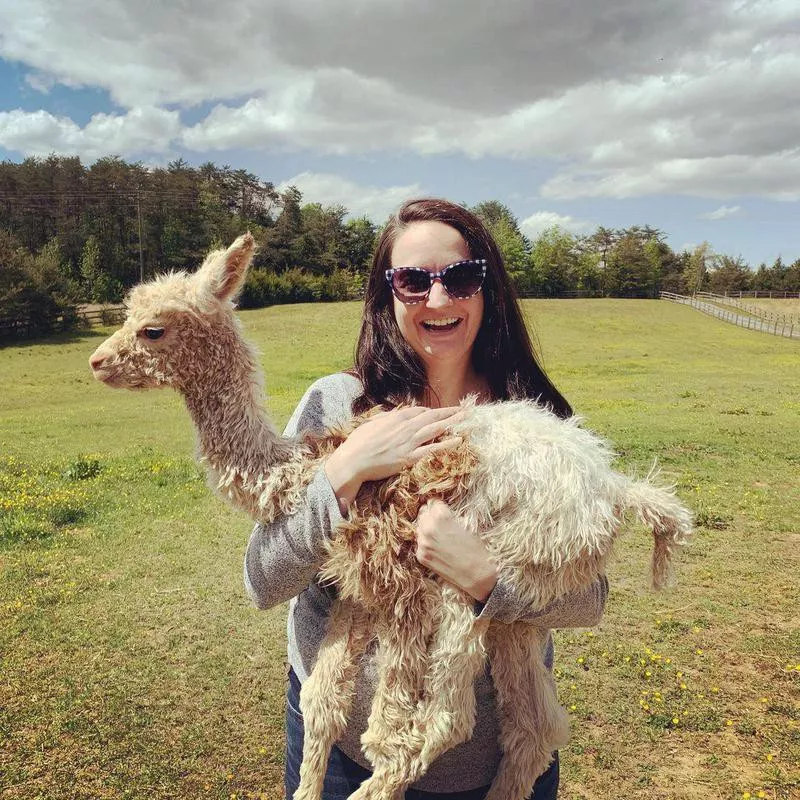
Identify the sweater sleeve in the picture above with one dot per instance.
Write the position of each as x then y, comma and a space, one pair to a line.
581, 609
283, 556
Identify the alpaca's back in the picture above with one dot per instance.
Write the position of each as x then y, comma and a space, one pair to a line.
544, 484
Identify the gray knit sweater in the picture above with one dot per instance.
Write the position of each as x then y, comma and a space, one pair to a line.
281, 564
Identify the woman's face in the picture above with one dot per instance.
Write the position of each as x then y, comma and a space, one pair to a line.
433, 246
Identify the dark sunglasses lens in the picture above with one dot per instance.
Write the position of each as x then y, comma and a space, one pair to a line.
464, 280
411, 283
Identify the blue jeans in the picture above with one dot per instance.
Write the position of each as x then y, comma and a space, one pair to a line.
344, 776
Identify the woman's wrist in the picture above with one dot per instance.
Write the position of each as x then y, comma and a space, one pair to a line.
484, 583
343, 478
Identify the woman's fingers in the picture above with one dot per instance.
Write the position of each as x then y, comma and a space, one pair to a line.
428, 449
409, 412
435, 428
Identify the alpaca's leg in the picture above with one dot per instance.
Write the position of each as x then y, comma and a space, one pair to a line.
532, 723
444, 712
390, 742
402, 661
327, 695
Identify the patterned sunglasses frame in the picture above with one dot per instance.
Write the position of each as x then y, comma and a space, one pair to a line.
441, 275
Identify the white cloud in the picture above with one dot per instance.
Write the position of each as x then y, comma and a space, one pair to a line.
40, 82
39, 133
334, 111
142, 53
627, 98
533, 225
377, 203
776, 175
723, 212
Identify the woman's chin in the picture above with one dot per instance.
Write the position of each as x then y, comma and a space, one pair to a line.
445, 349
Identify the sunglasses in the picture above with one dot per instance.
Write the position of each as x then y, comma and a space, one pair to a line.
461, 281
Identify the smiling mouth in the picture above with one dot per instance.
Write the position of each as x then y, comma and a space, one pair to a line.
441, 325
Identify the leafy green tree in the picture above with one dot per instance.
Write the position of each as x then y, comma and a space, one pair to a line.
513, 246
696, 272
792, 277
493, 212
588, 273
727, 274
555, 256
601, 242
277, 252
515, 257
91, 269
36, 290
626, 267
359, 243
321, 245
656, 254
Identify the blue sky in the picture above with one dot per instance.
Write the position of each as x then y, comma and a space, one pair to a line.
682, 115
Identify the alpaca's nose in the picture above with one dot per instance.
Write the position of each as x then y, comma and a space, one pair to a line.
96, 360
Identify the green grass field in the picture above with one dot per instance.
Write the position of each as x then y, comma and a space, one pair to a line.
133, 665
787, 306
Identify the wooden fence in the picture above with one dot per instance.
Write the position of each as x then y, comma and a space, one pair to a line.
754, 311
764, 293
16, 328
788, 329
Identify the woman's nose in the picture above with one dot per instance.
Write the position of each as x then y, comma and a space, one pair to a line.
438, 296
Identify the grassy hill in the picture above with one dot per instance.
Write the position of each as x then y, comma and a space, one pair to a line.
133, 665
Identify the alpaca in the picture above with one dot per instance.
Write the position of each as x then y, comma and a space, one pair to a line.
540, 490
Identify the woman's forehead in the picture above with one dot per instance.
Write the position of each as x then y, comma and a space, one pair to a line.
429, 244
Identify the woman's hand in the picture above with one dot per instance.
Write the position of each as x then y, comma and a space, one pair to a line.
385, 445
450, 549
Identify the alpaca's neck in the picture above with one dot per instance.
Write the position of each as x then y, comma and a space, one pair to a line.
226, 403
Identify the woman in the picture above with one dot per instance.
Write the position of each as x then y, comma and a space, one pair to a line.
440, 322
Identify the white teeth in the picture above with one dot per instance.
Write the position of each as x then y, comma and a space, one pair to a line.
436, 323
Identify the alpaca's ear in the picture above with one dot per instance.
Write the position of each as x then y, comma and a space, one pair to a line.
225, 271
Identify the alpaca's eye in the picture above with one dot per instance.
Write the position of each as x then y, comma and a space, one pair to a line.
153, 333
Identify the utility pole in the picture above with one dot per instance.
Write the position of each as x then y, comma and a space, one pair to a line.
141, 253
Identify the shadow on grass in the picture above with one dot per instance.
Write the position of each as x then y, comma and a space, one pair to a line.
72, 336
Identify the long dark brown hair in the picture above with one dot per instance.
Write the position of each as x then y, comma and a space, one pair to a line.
392, 373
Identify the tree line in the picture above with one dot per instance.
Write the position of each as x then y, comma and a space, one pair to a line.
72, 234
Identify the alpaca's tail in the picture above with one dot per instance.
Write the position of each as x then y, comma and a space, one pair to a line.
670, 521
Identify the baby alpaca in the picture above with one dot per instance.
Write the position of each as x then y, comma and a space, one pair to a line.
540, 490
